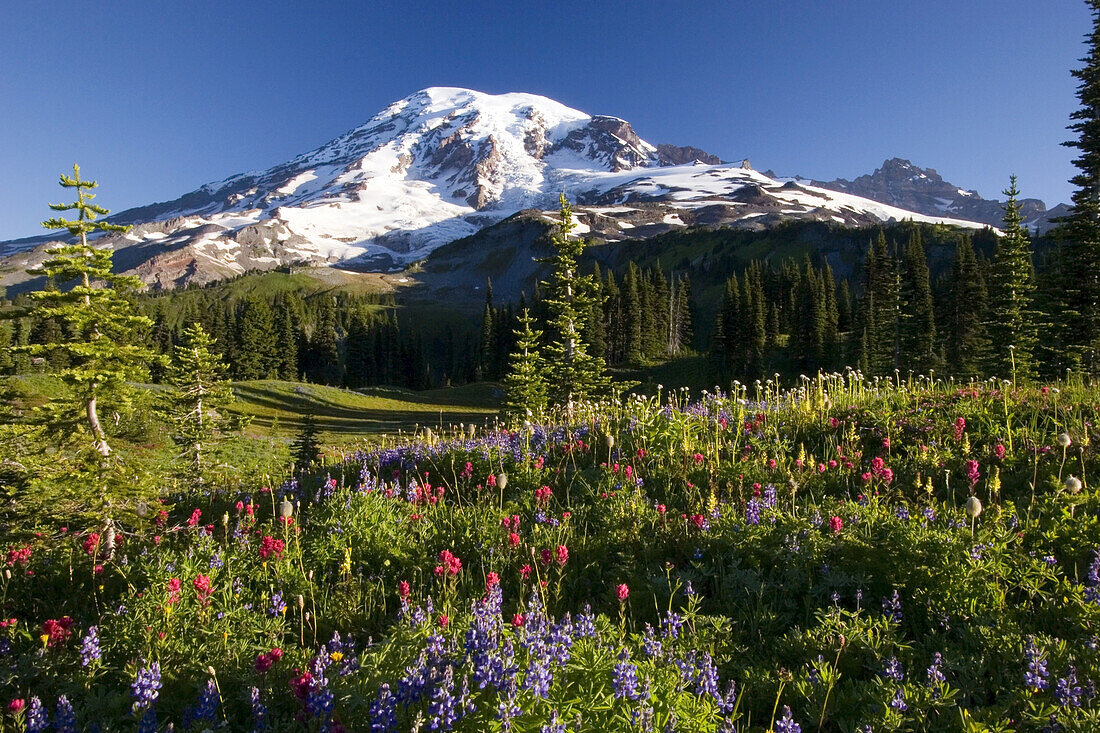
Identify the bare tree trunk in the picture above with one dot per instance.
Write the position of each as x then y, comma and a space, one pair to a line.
97, 429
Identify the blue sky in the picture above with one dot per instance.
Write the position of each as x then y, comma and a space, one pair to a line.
156, 98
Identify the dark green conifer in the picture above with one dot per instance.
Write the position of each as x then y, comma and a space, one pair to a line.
576, 374
1011, 317
525, 385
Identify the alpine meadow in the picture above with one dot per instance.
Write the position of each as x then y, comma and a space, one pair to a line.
491, 415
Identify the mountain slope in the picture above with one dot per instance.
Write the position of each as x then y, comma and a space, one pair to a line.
900, 183
440, 165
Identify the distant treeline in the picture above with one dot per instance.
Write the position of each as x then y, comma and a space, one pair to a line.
790, 316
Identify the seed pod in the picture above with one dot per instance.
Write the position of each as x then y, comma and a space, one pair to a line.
502, 481
301, 601
610, 440
285, 508
1073, 484
1064, 440
142, 509
973, 507
472, 429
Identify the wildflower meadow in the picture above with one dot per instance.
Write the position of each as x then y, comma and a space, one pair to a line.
843, 555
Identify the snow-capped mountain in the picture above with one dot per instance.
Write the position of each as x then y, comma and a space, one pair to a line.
442, 164
901, 183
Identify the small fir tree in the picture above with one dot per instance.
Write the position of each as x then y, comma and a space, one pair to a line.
1011, 320
306, 446
525, 384
197, 402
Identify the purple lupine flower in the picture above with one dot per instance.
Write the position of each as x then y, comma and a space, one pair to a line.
145, 688
559, 641
556, 724
752, 511
706, 678
383, 711
539, 676
441, 709
728, 702
893, 670
898, 703
89, 647
277, 605
902, 513
670, 625
209, 701
769, 496
37, 719
412, 685
891, 606
642, 717
935, 674
1092, 590
507, 709
651, 645
1035, 678
259, 711
585, 625
65, 720
786, 724
1067, 692
624, 678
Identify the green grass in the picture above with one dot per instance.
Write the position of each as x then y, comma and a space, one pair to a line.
354, 414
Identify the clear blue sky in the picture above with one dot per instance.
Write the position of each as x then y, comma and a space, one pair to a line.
156, 98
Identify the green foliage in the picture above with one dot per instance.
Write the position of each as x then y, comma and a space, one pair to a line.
1079, 281
746, 556
577, 375
917, 330
306, 448
196, 404
526, 384
1012, 320
96, 349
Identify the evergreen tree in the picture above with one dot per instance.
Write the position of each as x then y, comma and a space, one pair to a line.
197, 401
525, 384
879, 309
834, 351
726, 343
324, 346
99, 331
1080, 276
358, 352
844, 306
486, 349
754, 310
577, 375
254, 353
306, 447
1011, 321
967, 343
918, 322
288, 338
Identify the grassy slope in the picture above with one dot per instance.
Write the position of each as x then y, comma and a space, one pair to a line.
342, 415
353, 414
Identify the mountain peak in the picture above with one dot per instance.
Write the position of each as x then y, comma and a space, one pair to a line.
441, 164
899, 182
